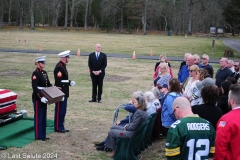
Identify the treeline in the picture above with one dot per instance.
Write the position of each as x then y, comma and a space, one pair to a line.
180, 16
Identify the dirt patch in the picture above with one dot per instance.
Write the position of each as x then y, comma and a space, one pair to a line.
115, 78
12, 73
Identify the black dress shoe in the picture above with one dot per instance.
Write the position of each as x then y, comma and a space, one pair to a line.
92, 100
107, 149
99, 101
100, 144
100, 148
44, 139
62, 131
66, 130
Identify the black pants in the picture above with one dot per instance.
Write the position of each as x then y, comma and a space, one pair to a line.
97, 84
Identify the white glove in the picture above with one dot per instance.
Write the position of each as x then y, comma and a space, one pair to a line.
63, 99
72, 83
44, 100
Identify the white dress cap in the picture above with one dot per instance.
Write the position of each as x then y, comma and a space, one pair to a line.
64, 54
40, 59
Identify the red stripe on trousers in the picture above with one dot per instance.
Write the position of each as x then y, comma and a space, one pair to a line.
36, 119
58, 108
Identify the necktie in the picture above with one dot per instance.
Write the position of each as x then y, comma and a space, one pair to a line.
97, 55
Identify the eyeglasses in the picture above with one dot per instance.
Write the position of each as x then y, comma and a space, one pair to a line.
204, 58
191, 70
174, 111
235, 65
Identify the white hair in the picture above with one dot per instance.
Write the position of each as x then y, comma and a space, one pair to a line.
205, 55
149, 95
231, 61
156, 92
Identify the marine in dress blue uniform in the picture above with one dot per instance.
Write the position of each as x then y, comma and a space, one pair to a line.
39, 81
63, 83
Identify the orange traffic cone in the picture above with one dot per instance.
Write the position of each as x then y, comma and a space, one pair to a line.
40, 48
134, 55
78, 52
151, 54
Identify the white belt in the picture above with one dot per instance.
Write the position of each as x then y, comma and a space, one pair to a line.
40, 87
65, 81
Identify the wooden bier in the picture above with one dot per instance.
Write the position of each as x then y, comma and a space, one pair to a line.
53, 94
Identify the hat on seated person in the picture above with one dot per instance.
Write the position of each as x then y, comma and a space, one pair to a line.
162, 83
41, 59
64, 54
205, 82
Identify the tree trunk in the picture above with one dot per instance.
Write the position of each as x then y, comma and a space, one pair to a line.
121, 25
1, 14
72, 13
145, 17
86, 15
190, 5
66, 15
32, 14
20, 2
9, 12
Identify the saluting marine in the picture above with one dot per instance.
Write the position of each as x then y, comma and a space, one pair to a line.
40, 81
62, 82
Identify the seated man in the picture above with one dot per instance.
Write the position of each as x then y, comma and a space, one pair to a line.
190, 137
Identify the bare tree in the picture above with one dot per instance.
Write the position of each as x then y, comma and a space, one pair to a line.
66, 15
144, 16
32, 14
9, 12
86, 15
20, 2
1, 14
72, 13
56, 5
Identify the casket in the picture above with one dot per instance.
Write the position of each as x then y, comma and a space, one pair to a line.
53, 94
7, 102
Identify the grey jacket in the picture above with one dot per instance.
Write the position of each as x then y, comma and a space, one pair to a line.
138, 117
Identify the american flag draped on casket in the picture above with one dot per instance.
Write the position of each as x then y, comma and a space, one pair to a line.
7, 102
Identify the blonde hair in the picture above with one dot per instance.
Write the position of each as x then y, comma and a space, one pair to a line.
194, 68
163, 56
164, 65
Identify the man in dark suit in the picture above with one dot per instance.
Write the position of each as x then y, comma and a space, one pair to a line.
97, 62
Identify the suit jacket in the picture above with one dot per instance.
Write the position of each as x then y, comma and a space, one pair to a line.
95, 64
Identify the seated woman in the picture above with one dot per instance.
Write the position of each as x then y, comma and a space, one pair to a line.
128, 107
164, 76
174, 91
156, 93
208, 110
151, 107
128, 130
163, 59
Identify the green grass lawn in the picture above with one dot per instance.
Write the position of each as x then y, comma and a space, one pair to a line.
89, 122
111, 42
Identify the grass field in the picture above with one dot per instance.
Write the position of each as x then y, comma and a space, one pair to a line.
111, 42
89, 122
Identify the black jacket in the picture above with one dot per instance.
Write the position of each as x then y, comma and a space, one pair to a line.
61, 78
39, 79
95, 64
